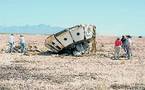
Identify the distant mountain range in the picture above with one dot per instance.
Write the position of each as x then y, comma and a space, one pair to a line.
31, 29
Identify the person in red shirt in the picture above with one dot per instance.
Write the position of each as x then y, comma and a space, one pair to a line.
117, 46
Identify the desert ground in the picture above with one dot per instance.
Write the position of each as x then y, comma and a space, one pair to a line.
57, 72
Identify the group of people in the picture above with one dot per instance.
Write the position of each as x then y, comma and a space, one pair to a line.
11, 42
126, 44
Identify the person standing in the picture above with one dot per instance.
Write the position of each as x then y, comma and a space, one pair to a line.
128, 45
11, 42
22, 44
117, 47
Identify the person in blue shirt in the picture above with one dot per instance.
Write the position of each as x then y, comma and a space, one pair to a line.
22, 44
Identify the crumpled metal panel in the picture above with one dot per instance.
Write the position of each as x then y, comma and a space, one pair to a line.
77, 33
52, 43
89, 31
65, 38
72, 37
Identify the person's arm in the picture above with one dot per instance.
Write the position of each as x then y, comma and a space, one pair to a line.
121, 43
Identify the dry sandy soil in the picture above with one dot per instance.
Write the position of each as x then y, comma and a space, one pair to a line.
89, 72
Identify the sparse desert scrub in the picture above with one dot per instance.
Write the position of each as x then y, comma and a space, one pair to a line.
89, 72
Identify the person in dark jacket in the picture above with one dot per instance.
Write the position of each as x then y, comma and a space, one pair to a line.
123, 39
126, 46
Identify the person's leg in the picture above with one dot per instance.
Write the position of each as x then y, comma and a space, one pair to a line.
10, 47
21, 47
124, 49
116, 53
123, 46
24, 48
13, 46
128, 53
131, 51
22, 51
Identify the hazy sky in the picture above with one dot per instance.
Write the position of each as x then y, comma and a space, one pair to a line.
110, 16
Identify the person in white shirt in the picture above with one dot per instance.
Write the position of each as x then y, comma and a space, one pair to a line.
22, 44
11, 42
130, 45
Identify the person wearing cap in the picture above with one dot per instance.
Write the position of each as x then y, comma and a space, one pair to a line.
22, 44
11, 42
117, 46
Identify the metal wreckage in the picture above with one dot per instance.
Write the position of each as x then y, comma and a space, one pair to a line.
77, 41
